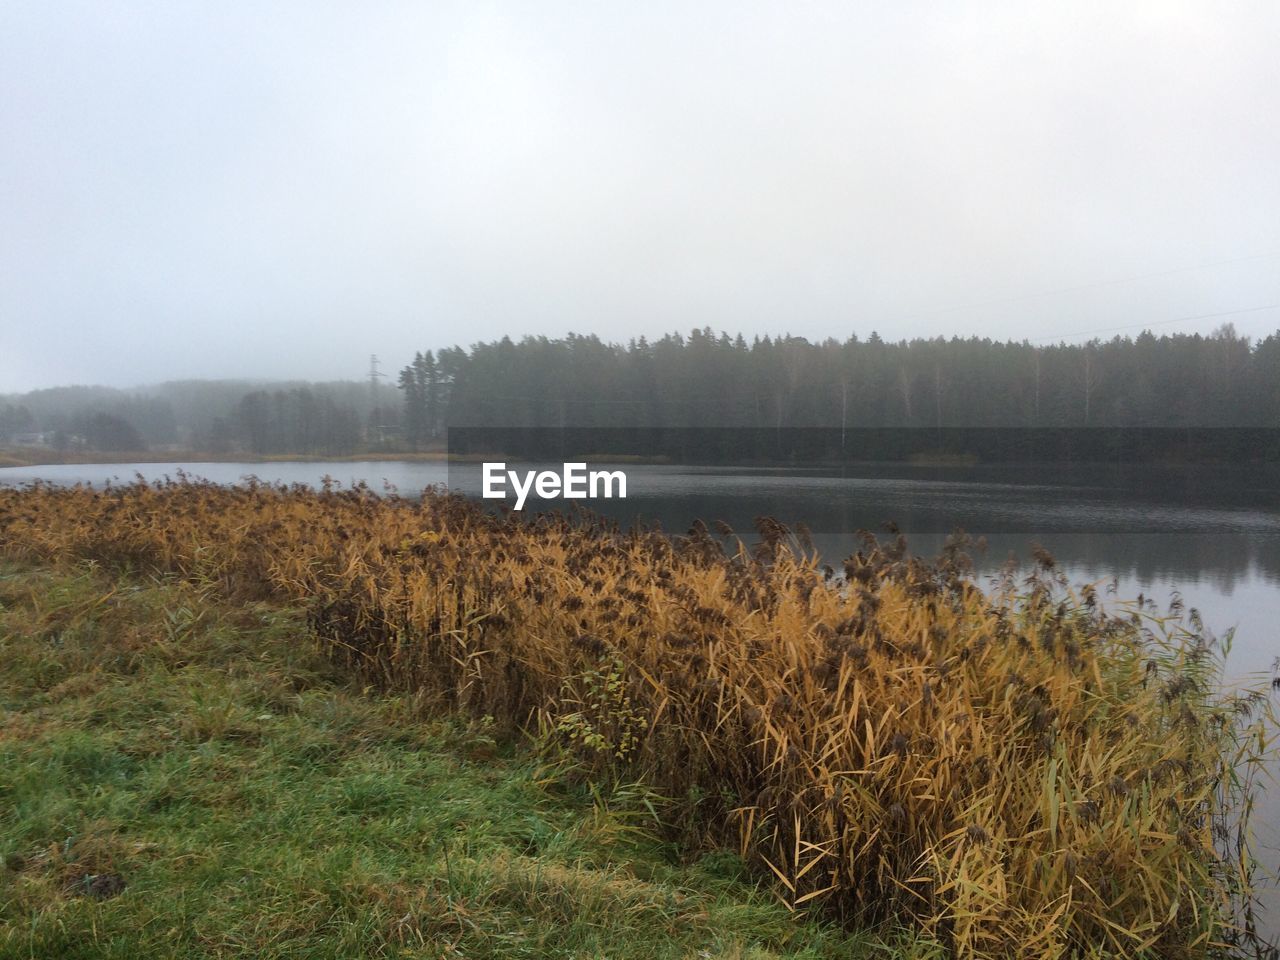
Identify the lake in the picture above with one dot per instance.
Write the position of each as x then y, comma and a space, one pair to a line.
1211, 533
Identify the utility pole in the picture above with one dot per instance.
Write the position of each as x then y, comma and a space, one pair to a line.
375, 414
374, 374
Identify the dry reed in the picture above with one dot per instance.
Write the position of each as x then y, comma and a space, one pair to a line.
1013, 772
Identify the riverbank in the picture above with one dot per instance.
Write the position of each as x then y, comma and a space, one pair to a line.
40, 456
183, 777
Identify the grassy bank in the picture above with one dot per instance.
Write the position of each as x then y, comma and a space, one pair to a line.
1009, 773
183, 778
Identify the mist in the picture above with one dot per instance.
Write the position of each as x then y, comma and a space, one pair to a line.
212, 190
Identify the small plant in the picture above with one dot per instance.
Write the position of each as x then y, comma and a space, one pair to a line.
605, 722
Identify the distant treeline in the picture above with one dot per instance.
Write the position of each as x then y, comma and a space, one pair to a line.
706, 379
217, 417
683, 397
702, 380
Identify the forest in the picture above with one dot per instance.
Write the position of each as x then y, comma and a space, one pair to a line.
702, 380
705, 379
719, 398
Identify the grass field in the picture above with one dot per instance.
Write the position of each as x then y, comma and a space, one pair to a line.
184, 778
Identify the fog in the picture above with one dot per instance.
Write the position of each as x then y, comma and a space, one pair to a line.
218, 190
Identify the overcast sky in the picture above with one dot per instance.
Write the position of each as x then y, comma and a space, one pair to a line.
273, 189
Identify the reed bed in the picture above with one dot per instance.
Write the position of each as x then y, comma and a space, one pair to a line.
1012, 772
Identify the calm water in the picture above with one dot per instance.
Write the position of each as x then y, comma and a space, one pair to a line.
1210, 533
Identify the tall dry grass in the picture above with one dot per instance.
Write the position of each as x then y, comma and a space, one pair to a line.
1013, 772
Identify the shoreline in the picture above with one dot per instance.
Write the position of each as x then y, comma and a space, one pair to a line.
27, 457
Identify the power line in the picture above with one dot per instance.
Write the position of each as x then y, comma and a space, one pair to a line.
1159, 323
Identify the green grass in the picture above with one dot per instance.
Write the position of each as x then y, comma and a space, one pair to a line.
252, 803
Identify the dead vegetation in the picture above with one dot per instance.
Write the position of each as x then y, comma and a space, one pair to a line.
1013, 773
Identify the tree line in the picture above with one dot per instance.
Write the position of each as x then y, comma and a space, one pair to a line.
702, 380
216, 417
717, 380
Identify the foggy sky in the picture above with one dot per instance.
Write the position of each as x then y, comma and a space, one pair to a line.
279, 190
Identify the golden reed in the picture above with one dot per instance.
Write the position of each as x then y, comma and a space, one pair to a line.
1012, 772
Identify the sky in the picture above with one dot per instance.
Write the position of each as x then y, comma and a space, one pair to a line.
280, 190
